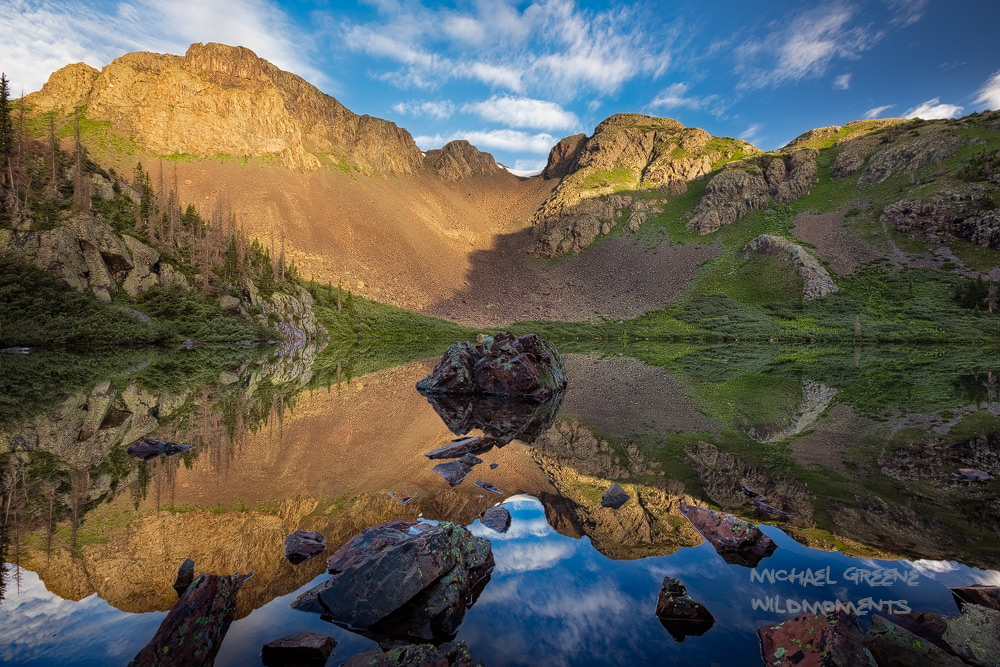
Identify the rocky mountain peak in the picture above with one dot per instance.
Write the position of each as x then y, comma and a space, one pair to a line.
458, 160
562, 155
67, 87
236, 61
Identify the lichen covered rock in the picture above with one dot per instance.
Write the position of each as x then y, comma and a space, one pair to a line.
737, 541
816, 280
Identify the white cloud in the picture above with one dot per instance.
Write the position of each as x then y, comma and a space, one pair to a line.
553, 46
907, 12
675, 96
875, 112
513, 141
803, 48
752, 133
989, 94
439, 110
38, 37
524, 112
842, 82
933, 109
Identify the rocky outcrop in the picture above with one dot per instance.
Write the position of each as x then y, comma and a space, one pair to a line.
628, 154
563, 155
458, 160
403, 579
298, 648
929, 145
256, 109
449, 654
971, 216
816, 280
816, 398
746, 186
937, 460
502, 365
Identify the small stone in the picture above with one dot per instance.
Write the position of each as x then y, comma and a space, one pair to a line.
298, 648
614, 497
476, 444
489, 487
471, 460
496, 518
302, 545
494, 466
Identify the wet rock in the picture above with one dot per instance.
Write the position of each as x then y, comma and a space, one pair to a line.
16, 350
972, 475
975, 635
496, 518
503, 418
925, 624
984, 596
456, 449
822, 640
193, 631
679, 613
190, 344
185, 575
403, 579
302, 545
502, 365
890, 644
614, 497
455, 654
148, 449
298, 648
489, 487
737, 541
453, 472
471, 460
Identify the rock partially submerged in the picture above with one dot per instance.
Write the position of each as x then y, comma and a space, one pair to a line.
403, 579
679, 613
475, 444
891, 644
193, 631
302, 545
614, 497
984, 596
148, 449
822, 640
450, 654
502, 418
737, 541
453, 472
298, 648
185, 576
502, 365
496, 518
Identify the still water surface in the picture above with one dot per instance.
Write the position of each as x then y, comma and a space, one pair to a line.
859, 445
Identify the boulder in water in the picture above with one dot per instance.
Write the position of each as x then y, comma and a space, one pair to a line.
679, 613
302, 545
739, 542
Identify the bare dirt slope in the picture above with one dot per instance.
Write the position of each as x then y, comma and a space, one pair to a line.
843, 250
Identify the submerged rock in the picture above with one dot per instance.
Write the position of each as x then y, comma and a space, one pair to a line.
298, 648
822, 640
148, 449
302, 545
502, 365
737, 541
679, 613
403, 579
614, 497
891, 644
451, 654
453, 472
496, 518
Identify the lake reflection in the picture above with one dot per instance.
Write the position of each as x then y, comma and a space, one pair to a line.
858, 447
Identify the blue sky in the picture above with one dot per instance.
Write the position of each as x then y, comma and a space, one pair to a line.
514, 77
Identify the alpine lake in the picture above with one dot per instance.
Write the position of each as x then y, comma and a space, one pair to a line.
846, 457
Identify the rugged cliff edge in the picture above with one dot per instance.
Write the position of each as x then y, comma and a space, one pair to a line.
219, 99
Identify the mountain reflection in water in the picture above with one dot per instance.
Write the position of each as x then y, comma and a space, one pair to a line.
865, 468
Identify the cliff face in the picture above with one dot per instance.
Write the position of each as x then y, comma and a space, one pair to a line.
220, 99
630, 161
458, 160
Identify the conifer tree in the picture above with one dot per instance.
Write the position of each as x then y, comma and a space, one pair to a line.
6, 130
